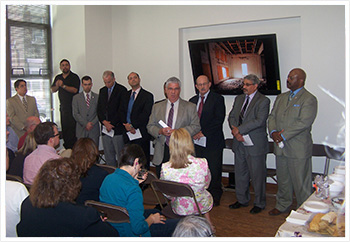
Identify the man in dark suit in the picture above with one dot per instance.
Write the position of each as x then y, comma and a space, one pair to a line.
289, 123
247, 121
109, 100
67, 84
85, 112
183, 115
135, 110
212, 115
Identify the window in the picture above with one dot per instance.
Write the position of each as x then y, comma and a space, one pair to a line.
29, 38
244, 69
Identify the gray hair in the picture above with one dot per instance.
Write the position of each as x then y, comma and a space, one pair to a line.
253, 78
173, 80
193, 226
108, 73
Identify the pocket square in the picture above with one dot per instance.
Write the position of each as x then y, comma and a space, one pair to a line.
296, 105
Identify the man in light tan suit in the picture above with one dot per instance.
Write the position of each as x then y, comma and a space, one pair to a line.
20, 107
289, 125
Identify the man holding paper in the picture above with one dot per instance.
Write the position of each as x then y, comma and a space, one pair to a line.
136, 108
109, 100
210, 141
172, 113
247, 121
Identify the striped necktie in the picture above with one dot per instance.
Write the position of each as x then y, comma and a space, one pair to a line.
25, 104
241, 115
87, 100
170, 121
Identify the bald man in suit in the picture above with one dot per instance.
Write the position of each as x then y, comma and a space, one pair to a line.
289, 124
184, 116
20, 107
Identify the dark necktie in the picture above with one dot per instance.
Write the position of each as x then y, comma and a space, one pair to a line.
170, 121
25, 104
87, 100
200, 108
241, 115
109, 93
291, 95
131, 103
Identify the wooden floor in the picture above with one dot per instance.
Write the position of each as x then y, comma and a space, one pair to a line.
239, 222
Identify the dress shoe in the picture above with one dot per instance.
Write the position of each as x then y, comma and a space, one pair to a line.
237, 205
275, 212
216, 203
255, 210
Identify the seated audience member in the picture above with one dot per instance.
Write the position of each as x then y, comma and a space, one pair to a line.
193, 226
50, 210
11, 140
47, 138
85, 154
185, 168
29, 145
122, 188
16, 192
31, 123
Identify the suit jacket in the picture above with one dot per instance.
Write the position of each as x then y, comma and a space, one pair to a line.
253, 124
212, 118
17, 113
296, 118
187, 118
82, 114
110, 109
141, 110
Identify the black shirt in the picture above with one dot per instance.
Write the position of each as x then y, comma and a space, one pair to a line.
66, 98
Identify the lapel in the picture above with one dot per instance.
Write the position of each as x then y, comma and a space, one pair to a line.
138, 99
252, 103
180, 111
240, 101
19, 102
295, 98
113, 92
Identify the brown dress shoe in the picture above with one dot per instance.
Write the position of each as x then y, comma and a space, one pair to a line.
275, 212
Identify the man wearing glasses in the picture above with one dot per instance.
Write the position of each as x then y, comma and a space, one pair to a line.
247, 121
47, 138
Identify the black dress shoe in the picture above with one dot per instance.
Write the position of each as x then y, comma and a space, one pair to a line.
237, 205
255, 210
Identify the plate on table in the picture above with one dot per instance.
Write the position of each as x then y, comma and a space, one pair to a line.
316, 207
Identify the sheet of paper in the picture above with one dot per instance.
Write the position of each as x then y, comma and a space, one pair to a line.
110, 133
201, 142
137, 135
164, 125
247, 140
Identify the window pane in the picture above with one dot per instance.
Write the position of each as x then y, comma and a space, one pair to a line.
29, 13
28, 51
40, 89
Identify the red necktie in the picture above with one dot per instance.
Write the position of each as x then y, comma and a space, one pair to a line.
200, 108
87, 100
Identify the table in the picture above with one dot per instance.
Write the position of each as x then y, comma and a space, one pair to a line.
294, 230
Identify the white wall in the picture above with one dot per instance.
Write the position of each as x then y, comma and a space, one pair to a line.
148, 40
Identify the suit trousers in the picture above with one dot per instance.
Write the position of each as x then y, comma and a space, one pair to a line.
68, 124
112, 148
293, 175
249, 167
166, 158
214, 159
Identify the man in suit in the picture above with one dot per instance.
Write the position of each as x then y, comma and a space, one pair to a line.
108, 112
289, 126
211, 112
67, 84
20, 107
247, 119
183, 114
135, 110
85, 112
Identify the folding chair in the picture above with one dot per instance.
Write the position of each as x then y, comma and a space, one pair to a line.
112, 213
109, 169
173, 189
149, 196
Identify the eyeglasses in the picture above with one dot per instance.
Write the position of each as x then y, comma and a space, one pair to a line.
55, 135
203, 84
247, 84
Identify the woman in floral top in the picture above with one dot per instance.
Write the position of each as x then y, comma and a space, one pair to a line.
185, 168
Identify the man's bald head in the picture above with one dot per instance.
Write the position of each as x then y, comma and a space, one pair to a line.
31, 123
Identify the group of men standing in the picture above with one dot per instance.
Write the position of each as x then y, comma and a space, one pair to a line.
132, 117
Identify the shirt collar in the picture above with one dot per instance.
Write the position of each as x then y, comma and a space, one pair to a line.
296, 91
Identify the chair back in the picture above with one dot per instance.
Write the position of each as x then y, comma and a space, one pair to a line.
112, 213
109, 169
174, 189
149, 196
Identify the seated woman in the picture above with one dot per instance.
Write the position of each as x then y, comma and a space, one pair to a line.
50, 210
122, 188
16, 167
85, 154
185, 168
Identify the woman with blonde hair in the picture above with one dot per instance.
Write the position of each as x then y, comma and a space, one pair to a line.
85, 154
185, 168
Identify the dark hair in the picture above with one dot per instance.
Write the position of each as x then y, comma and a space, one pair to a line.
133, 73
57, 181
43, 132
16, 84
129, 153
85, 154
63, 60
85, 78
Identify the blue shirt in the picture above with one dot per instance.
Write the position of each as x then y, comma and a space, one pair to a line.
12, 141
121, 189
